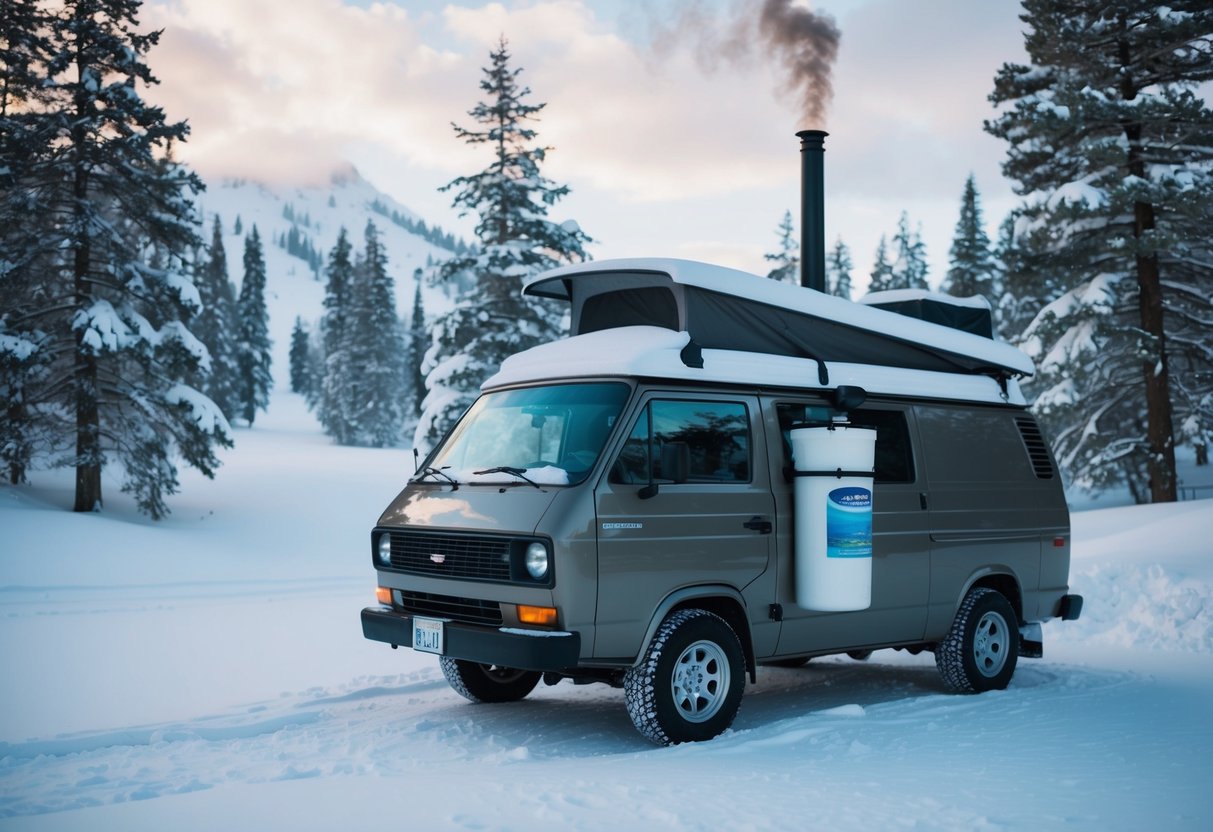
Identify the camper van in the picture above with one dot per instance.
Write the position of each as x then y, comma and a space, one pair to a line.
716, 472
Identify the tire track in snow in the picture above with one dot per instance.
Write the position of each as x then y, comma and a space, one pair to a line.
412, 724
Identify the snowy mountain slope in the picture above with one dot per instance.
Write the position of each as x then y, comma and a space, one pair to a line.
209, 672
315, 215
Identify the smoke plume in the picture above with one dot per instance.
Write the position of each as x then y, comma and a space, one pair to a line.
806, 45
802, 43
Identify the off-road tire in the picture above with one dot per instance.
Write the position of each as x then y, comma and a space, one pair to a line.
981, 650
488, 682
698, 653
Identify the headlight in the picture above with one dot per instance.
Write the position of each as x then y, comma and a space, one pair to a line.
537, 561
385, 549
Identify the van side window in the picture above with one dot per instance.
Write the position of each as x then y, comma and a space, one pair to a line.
711, 440
894, 455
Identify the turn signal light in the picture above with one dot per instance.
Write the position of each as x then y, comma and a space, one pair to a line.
383, 595
537, 615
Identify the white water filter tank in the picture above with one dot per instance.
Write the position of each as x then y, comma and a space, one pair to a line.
833, 498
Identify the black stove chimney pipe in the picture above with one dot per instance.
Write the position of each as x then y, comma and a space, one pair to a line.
812, 209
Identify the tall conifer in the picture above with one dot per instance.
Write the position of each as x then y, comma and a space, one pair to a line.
511, 199
253, 347
786, 258
838, 270
97, 223
1110, 141
972, 268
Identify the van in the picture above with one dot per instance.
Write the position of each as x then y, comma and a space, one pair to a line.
626, 505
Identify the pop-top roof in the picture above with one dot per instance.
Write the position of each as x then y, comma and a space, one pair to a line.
658, 353
726, 309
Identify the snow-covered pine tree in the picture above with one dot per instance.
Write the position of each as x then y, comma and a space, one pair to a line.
102, 223
1113, 149
838, 270
253, 344
909, 269
301, 360
418, 339
972, 267
786, 259
377, 403
215, 324
1022, 283
24, 51
881, 277
334, 394
516, 239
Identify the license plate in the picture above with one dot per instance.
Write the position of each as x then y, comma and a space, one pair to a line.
427, 635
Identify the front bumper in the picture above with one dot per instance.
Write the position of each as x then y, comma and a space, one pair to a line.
486, 645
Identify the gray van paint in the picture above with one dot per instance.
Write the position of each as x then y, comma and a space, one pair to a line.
974, 512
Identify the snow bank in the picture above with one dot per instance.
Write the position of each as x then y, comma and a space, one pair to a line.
1146, 577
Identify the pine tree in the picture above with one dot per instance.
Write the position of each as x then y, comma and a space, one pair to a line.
215, 324
882, 269
1021, 284
301, 360
418, 340
334, 392
972, 269
787, 257
838, 270
511, 199
909, 269
377, 405
24, 359
253, 347
97, 225
1113, 148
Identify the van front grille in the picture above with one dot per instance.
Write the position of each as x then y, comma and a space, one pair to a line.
465, 610
473, 557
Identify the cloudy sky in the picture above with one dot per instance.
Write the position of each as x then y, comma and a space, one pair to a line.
677, 139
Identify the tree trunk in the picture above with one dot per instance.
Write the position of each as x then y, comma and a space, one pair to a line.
88, 412
1160, 436
1159, 433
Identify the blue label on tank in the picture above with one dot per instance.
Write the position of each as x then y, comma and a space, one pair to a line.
849, 523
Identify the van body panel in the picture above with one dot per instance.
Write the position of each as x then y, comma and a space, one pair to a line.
985, 505
569, 523
687, 534
900, 555
507, 509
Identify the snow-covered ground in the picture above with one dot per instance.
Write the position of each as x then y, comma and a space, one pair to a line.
209, 672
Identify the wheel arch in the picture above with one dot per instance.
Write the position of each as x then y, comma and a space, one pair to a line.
721, 600
1003, 582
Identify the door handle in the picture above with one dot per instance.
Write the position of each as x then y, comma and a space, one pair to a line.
759, 525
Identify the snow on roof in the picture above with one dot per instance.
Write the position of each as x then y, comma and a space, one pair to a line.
655, 352
907, 295
556, 284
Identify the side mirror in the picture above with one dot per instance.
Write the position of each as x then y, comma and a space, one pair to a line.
848, 397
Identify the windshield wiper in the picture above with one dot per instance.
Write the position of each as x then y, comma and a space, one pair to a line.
431, 471
520, 473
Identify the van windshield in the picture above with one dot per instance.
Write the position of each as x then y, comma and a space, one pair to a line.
540, 435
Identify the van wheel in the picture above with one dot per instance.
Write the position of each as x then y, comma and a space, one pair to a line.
488, 682
689, 685
980, 651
